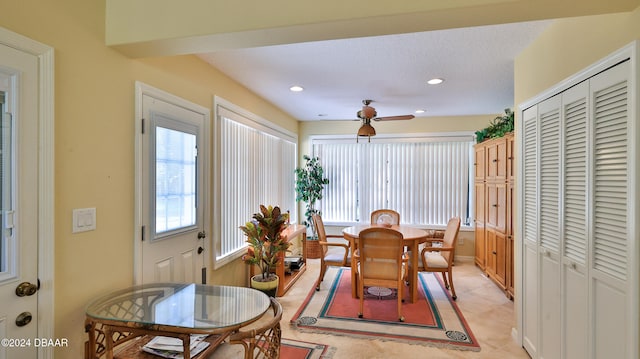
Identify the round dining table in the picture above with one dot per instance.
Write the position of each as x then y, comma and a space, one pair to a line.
412, 238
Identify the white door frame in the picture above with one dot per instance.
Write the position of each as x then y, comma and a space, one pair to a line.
46, 225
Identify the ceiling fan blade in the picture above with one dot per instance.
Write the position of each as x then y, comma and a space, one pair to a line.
394, 118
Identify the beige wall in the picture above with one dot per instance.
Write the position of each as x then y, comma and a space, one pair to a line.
569, 46
94, 146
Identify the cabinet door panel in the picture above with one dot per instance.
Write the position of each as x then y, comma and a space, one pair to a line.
480, 246
492, 204
501, 207
480, 162
501, 258
490, 259
511, 168
497, 206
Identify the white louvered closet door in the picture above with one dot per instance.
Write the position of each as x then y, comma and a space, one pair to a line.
575, 226
530, 318
549, 228
611, 255
580, 258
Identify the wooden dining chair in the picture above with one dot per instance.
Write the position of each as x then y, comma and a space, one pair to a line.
440, 258
333, 253
381, 262
394, 216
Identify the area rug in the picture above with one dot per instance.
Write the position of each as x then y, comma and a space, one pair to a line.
296, 349
433, 320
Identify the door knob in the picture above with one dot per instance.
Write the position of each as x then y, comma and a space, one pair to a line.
23, 319
26, 289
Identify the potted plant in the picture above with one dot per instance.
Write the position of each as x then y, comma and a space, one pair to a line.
498, 127
264, 235
309, 185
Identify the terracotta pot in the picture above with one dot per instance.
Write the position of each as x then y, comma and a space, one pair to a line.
270, 288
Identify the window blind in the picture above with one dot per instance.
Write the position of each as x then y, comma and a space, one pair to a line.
256, 166
425, 179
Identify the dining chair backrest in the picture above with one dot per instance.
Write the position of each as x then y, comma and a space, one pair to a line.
393, 215
319, 225
380, 250
450, 238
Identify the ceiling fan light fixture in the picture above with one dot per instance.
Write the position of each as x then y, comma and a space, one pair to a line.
366, 130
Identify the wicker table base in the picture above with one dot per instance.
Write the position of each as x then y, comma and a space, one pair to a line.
133, 349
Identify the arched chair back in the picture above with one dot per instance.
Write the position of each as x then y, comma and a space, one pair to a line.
394, 216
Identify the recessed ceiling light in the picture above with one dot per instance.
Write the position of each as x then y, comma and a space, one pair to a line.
296, 88
419, 111
322, 115
435, 81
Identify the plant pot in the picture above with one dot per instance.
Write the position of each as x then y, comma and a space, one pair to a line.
270, 288
314, 250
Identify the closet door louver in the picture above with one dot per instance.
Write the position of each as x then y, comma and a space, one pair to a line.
575, 183
530, 179
610, 176
549, 175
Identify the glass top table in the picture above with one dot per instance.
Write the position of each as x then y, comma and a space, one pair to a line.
173, 309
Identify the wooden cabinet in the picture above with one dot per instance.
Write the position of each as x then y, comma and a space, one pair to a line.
493, 210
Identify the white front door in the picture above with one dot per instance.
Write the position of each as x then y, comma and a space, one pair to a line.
174, 244
18, 204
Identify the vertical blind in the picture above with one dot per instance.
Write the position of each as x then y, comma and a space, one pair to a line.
256, 167
427, 179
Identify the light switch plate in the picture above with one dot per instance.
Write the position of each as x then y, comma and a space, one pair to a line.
84, 219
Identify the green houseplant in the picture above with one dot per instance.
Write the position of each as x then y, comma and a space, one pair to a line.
264, 235
309, 185
498, 127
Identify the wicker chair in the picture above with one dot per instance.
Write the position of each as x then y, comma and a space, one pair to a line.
333, 253
440, 259
395, 216
261, 340
381, 263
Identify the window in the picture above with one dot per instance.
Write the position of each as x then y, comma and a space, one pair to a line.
256, 164
175, 197
426, 178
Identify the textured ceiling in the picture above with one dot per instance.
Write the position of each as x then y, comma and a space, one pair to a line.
392, 70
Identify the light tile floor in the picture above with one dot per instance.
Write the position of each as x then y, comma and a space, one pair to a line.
489, 313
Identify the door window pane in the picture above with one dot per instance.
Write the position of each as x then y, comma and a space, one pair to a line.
175, 195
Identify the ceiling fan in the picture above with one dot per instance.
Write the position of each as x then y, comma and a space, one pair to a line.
369, 113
